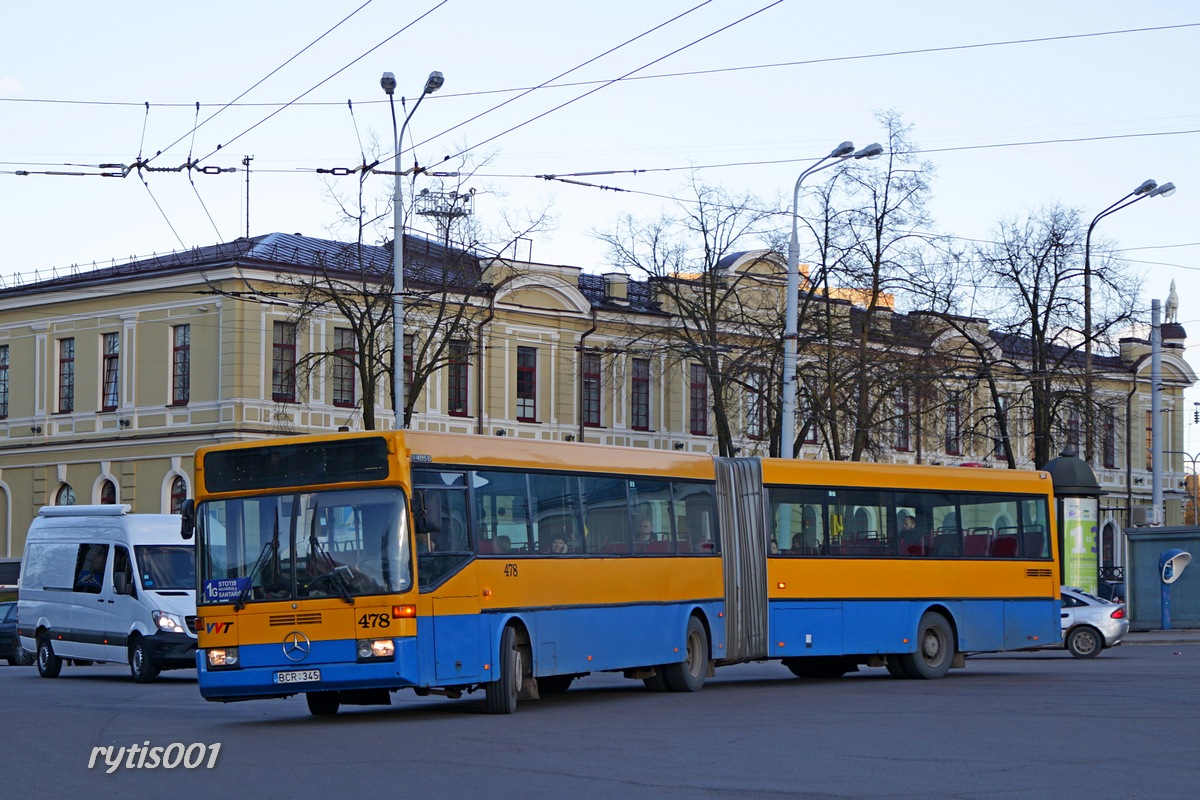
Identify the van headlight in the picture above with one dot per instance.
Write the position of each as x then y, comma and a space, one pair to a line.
168, 623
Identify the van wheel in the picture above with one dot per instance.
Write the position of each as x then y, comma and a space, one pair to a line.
48, 664
140, 666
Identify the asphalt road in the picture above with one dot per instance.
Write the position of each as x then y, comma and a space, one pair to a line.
1032, 725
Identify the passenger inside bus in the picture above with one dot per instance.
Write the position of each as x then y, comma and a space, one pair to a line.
503, 544
645, 532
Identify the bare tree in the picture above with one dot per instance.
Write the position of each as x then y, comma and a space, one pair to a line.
717, 317
1028, 284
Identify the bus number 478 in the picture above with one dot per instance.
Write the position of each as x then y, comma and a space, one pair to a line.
374, 621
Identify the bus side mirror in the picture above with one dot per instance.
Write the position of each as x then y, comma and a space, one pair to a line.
188, 527
1172, 563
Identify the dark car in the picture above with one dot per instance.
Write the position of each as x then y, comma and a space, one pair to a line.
10, 645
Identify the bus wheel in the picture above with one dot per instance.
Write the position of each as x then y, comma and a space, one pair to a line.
48, 664
688, 675
1085, 642
895, 666
935, 648
502, 692
818, 666
554, 684
323, 704
656, 683
140, 665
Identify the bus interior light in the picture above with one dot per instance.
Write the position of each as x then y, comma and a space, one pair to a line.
400, 612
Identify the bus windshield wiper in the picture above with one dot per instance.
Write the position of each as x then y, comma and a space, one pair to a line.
267, 553
339, 574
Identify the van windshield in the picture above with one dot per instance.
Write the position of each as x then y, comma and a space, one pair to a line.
166, 566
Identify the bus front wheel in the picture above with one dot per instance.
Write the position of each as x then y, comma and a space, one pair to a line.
688, 675
502, 693
935, 648
323, 704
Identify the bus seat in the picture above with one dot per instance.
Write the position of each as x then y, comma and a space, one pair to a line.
1004, 546
913, 549
1032, 542
615, 547
660, 547
975, 545
487, 546
947, 544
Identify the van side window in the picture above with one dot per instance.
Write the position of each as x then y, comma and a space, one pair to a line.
122, 570
90, 566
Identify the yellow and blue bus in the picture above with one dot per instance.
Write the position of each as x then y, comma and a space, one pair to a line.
349, 566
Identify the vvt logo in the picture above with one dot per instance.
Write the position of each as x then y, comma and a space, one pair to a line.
217, 627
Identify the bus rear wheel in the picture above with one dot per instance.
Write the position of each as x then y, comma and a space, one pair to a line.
935, 648
502, 693
689, 675
323, 704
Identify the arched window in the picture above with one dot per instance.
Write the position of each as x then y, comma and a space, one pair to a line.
108, 494
178, 494
65, 496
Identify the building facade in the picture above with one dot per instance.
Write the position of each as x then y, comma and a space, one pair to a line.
111, 378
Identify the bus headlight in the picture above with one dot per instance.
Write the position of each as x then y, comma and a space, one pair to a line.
374, 649
222, 657
168, 623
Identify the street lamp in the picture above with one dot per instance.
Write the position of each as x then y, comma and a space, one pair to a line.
1148, 188
388, 82
787, 432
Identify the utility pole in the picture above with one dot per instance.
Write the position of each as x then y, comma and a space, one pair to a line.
246, 163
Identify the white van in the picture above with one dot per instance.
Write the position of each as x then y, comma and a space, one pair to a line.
101, 584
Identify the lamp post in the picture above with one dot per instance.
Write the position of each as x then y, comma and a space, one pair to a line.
1148, 188
787, 428
388, 82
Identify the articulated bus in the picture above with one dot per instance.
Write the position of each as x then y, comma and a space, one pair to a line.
349, 566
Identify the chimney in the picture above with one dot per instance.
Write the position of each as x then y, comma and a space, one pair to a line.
616, 286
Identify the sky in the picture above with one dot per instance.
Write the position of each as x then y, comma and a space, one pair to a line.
1017, 104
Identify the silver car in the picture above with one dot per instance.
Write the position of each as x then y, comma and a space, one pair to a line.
1090, 623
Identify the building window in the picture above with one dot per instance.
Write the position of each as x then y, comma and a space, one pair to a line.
3, 381
999, 445
108, 493
112, 372
65, 496
459, 379
698, 395
639, 412
591, 389
409, 400
66, 375
178, 494
902, 439
954, 424
1073, 429
526, 384
808, 419
181, 364
1108, 433
343, 368
283, 363
1149, 440
756, 405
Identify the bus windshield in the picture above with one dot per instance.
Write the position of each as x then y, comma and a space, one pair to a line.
314, 544
167, 566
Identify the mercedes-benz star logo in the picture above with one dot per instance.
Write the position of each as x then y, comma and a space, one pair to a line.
296, 646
